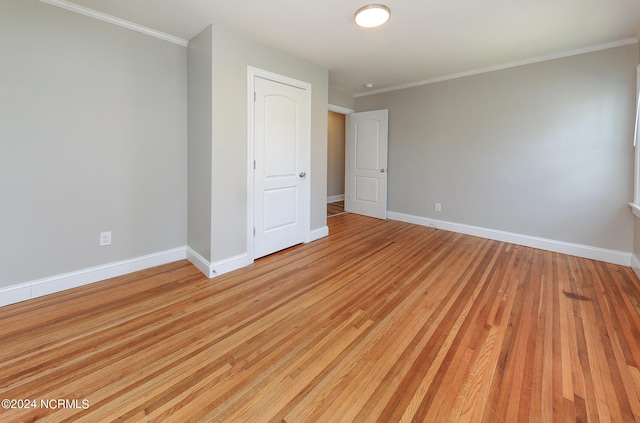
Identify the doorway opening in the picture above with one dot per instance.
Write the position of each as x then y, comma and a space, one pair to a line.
336, 153
357, 162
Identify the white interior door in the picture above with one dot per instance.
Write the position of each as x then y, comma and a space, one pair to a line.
281, 152
367, 163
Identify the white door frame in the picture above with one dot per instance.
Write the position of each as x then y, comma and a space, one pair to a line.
252, 73
346, 112
347, 172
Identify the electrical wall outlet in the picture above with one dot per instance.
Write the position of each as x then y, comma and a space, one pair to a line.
105, 238
438, 207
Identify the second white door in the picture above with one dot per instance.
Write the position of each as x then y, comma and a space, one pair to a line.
367, 163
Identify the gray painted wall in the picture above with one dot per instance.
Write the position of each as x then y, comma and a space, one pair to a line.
542, 150
338, 98
200, 110
93, 130
231, 54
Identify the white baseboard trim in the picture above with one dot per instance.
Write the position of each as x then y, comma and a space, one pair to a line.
335, 198
26, 291
239, 261
635, 264
220, 267
230, 264
319, 233
585, 251
198, 261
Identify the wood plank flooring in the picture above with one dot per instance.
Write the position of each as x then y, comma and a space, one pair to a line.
335, 208
381, 321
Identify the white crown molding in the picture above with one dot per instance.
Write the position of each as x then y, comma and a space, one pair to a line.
26, 291
554, 56
340, 109
594, 253
116, 21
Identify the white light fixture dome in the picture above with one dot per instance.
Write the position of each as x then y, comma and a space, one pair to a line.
372, 15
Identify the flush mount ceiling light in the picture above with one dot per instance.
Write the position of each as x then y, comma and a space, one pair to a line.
372, 15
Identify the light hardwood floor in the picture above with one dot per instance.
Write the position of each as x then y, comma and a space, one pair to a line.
335, 208
380, 321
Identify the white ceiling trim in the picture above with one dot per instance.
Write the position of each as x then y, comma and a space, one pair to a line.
340, 109
116, 21
560, 55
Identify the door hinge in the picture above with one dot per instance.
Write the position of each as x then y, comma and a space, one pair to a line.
254, 231
254, 96
254, 165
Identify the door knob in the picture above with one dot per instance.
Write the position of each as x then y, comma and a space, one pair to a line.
303, 174
383, 170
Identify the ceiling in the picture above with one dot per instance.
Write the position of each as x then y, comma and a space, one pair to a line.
423, 40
